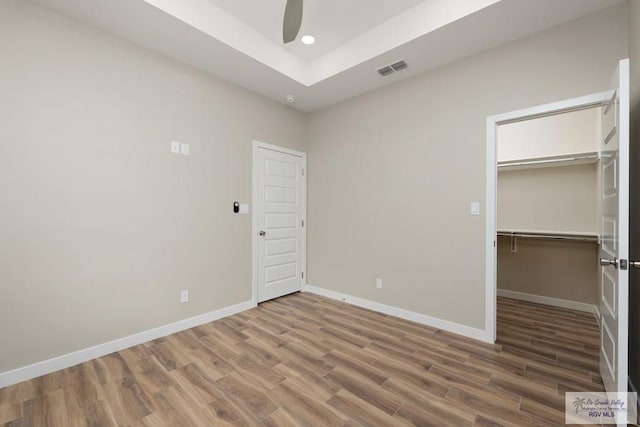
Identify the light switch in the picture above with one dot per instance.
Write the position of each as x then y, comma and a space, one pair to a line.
475, 208
184, 149
175, 147
244, 208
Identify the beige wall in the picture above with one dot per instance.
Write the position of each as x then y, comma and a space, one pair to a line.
557, 135
557, 269
100, 226
392, 172
562, 199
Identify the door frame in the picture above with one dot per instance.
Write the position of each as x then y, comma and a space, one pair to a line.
491, 282
257, 145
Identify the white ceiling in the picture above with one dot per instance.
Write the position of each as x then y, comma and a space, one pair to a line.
331, 22
238, 41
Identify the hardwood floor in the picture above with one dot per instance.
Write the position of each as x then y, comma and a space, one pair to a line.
304, 360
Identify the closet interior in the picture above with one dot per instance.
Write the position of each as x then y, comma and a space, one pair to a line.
548, 209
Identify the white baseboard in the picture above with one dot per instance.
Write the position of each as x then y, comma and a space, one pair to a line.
556, 302
67, 360
456, 328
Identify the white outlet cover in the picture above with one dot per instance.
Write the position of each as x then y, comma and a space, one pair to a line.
184, 149
184, 296
175, 147
379, 283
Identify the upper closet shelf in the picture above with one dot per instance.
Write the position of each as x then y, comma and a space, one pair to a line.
551, 161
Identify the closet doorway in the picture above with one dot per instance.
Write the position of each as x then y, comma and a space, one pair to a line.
548, 212
548, 242
613, 226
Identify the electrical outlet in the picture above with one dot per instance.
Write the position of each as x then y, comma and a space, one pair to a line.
184, 296
379, 283
175, 147
184, 149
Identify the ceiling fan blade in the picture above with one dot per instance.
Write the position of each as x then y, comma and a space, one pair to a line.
292, 20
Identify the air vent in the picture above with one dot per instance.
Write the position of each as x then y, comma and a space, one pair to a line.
385, 71
400, 65
390, 69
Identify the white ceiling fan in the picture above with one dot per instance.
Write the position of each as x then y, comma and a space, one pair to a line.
292, 20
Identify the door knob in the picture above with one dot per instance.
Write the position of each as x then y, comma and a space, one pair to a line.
607, 261
262, 233
635, 264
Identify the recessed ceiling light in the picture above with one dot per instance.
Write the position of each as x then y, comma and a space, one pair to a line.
308, 39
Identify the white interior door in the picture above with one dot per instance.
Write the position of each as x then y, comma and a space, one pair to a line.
614, 248
280, 208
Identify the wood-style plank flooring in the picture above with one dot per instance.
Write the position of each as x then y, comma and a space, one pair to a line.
304, 360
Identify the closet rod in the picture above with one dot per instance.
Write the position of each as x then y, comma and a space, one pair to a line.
551, 236
545, 161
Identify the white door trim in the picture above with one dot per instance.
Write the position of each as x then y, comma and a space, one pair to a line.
254, 218
581, 102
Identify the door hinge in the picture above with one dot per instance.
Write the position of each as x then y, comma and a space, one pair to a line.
302, 171
303, 222
303, 274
